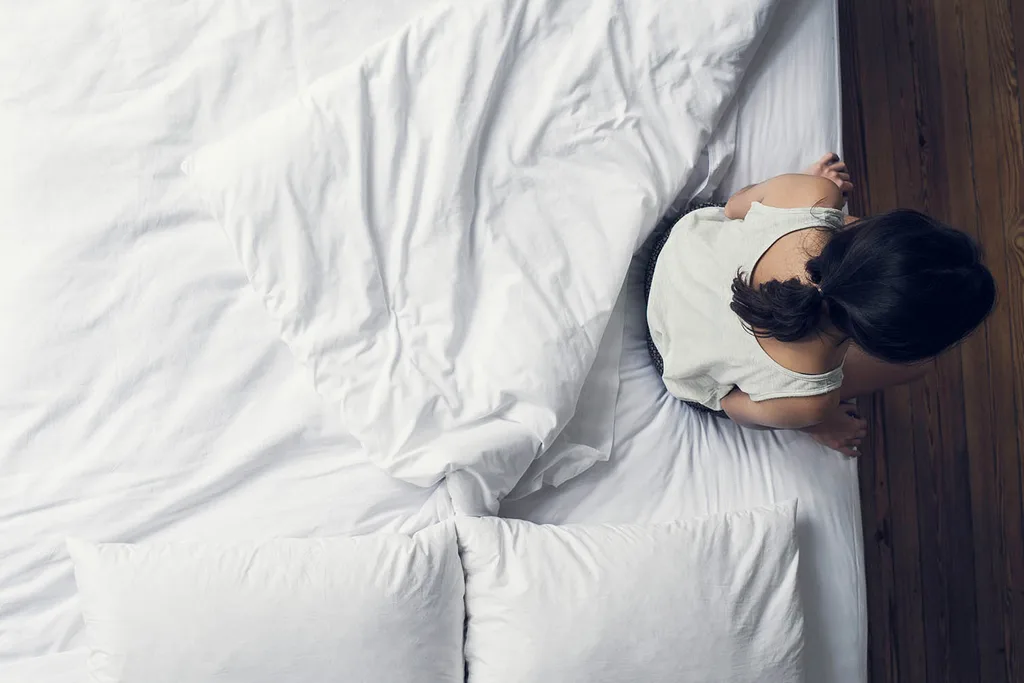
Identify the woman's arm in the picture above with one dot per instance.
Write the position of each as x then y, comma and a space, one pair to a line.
828, 421
791, 191
821, 184
779, 413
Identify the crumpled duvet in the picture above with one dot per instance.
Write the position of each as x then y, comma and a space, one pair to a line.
442, 228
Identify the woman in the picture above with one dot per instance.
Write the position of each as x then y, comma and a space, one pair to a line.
778, 309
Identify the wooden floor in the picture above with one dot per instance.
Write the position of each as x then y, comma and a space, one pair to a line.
933, 119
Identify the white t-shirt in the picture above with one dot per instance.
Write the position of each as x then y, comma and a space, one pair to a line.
706, 348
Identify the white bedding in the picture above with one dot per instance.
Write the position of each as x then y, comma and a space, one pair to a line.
442, 228
789, 107
144, 392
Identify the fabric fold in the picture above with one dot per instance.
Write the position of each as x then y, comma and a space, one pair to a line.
442, 229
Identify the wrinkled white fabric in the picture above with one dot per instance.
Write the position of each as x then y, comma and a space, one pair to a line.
144, 394
443, 228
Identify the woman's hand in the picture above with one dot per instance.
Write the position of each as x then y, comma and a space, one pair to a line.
830, 422
842, 430
833, 169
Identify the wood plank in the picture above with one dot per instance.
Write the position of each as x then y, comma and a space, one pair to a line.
882, 596
976, 456
983, 82
901, 426
944, 522
1008, 164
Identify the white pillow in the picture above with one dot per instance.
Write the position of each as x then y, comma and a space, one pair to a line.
713, 599
372, 608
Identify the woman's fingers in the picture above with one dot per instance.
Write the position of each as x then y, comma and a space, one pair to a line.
835, 169
842, 180
833, 173
830, 166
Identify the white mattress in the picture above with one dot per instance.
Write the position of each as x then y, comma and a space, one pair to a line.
144, 393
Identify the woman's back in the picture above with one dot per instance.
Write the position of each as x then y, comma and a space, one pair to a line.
706, 348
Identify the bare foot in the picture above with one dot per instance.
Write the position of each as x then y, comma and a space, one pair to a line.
842, 430
831, 167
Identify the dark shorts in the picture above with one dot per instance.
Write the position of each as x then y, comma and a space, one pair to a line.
658, 239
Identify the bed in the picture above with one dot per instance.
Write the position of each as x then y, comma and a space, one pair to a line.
146, 402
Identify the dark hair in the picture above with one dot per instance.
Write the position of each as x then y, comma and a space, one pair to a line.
902, 285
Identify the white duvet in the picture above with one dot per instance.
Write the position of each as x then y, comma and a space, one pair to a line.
442, 229
145, 393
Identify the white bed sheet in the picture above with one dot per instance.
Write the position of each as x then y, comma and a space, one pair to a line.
790, 106
145, 395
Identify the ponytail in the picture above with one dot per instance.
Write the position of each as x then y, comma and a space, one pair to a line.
787, 311
901, 285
